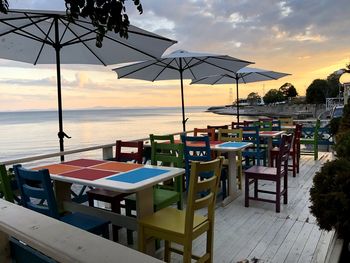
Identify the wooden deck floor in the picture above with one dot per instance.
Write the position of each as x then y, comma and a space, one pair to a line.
258, 234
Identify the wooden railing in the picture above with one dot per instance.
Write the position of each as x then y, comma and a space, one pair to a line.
57, 240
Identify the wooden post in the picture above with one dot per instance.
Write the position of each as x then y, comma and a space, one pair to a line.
5, 256
107, 153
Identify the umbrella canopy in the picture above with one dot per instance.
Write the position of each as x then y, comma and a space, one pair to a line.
49, 37
244, 75
181, 65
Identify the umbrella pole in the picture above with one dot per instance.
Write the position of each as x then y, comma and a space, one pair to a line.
182, 98
59, 95
237, 103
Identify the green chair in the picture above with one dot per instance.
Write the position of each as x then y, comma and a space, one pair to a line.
5, 185
165, 194
309, 136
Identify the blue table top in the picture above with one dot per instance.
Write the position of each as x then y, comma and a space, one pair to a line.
137, 175
233, 144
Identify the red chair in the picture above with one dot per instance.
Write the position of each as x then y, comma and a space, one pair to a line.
256, 173
294, 152
210, 132
111, 197
216, 128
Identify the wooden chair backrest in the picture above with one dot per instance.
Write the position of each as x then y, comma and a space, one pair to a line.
169, 154
196, 200
35, 185
276, 125
264, 125
161, 138
230, 135
5, 185
283, 154
210, 132
252, 135
216, 128
124, 156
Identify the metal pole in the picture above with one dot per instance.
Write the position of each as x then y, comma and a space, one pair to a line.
182, 98
237, 103
59, 95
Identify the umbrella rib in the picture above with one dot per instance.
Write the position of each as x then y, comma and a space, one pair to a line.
83, 42
23, 32
43, 43
36, 25
120, 42
267, 76
164, 68
189, 67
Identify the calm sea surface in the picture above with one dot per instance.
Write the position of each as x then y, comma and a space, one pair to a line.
24, 134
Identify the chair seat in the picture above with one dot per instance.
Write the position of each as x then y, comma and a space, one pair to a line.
84, 221
171, 219
161, 198
104, 193
262, 170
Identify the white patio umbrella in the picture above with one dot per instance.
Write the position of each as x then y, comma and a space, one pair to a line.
49, 37
181, 65
244, 75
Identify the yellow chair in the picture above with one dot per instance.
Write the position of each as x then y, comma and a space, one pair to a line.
233, 135
182, 227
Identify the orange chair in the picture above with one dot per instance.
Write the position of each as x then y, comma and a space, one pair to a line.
209, 131
111, 197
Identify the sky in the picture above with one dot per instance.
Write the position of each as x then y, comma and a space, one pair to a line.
308, 39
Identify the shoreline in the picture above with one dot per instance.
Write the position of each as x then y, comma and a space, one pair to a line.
299, 111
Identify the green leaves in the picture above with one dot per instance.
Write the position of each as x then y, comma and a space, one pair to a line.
106, 15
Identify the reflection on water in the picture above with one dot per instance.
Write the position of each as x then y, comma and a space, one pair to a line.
24, 134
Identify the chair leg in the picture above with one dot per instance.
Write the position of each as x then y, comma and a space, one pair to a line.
115, 207
278, 195
187, 256
210, 248
255, 188
246, 186
167, 245
129, 233
294, 164
285, 186
141, 239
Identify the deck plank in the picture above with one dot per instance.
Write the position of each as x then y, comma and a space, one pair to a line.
258, 233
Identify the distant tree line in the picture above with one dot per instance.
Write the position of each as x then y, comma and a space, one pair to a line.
316, 92
286, 91
320, 89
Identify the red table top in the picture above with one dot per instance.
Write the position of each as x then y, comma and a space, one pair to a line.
89, 169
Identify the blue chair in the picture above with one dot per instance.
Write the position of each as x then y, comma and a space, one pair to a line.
37, 185
256, 153
198, 149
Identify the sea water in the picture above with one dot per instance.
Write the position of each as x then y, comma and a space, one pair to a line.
30, 133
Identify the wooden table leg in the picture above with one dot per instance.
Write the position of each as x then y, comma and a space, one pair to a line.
269, 148
144, 207
62, 191
233, 192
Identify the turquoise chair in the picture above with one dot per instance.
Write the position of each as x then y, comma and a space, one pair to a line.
37, 185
